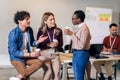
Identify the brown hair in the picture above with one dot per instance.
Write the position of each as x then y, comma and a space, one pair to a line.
43, 26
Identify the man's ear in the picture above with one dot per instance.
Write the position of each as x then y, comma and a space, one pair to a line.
109, 29
19, 21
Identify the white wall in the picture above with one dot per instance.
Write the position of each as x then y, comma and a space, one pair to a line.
63, 10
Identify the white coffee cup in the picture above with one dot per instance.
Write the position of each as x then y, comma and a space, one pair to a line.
14, 78
55, 40
66, 27
37, 50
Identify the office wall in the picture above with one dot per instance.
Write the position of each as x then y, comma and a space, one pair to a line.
63, 10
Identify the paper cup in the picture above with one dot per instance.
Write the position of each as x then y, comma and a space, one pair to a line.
37, 50
14, 78
66, 27
55, 40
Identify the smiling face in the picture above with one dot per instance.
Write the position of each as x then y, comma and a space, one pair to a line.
50, 21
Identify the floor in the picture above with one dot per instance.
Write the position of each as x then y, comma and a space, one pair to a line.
6, 70
5, 73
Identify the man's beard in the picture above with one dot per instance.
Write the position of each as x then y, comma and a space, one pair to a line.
114, 34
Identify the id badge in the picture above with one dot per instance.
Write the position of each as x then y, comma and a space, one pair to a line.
52, 51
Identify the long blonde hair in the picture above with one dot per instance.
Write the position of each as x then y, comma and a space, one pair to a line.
44, 26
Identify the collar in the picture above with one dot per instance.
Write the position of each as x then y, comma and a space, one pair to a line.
80, 25
52, 28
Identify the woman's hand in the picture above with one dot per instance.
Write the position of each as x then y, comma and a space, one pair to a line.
68, 32
41, 39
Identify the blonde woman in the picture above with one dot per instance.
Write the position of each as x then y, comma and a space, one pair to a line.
54, 43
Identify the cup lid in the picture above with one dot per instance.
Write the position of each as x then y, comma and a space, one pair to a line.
37, 49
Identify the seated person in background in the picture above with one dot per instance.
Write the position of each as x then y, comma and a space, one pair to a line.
19, 42
111, 44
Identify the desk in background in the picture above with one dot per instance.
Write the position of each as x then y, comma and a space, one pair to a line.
66, 58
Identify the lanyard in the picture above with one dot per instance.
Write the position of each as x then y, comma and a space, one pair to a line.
51, 39
112, 43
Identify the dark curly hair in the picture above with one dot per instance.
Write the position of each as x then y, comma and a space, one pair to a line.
20, 15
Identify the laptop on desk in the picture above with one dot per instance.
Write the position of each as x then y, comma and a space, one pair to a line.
100, 56
110, 53
116, 53
106, 53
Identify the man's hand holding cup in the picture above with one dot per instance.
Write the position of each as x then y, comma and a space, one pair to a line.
36, 53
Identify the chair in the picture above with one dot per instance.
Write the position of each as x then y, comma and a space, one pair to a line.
60, 49
114, 73
67, 48
69, 67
